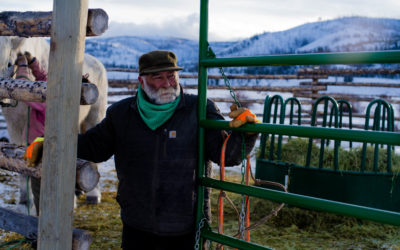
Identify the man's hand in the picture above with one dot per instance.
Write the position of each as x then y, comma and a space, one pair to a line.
34, 152
241, 116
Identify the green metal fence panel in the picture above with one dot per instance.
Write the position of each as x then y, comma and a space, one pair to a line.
292, 101
272, 171
230, 241
377, 190
381, 137
367, 213
275, 117
202, 107
342, 110
383, 111
335, 112
264, 136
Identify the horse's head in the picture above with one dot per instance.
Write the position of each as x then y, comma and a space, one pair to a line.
9, 47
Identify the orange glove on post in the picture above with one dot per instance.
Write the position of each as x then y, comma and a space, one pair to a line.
33, 153
241, 116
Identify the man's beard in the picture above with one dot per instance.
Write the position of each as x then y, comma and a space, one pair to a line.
162, 95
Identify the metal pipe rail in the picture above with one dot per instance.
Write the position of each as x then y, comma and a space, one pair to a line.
378, 215
369, 136
230, 241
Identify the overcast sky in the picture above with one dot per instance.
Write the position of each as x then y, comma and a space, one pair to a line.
228, 19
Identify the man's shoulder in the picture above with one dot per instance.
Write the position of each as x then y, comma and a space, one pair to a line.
192, 98
122, 104
212, 108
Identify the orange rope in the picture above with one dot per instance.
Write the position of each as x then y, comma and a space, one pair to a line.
222, 194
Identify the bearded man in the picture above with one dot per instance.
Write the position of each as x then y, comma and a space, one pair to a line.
154, 139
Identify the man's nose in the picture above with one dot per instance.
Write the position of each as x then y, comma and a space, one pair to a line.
167, 82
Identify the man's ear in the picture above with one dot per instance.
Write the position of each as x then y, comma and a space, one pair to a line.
140, 78
17, 42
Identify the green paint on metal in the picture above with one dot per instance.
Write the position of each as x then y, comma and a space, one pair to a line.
378, 215
381, 137
334, 112
349, 110
230, 241
370, 189
382, 107
264, 136
202, 105
292, 101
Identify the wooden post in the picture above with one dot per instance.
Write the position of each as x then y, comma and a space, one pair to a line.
61, 127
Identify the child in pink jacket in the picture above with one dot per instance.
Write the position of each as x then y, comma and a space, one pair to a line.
37, 109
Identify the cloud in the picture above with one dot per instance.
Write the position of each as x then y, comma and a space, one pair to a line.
182, 27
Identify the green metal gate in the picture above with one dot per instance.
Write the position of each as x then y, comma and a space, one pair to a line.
205, 62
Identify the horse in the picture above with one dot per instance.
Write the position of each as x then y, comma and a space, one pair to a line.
16, 117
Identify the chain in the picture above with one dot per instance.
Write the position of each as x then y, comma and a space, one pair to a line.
228, 85
243, 197
210, 53
197, 239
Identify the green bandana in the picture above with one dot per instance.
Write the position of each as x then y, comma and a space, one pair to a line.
154, 115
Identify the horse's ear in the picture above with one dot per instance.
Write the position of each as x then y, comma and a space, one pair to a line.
17, 42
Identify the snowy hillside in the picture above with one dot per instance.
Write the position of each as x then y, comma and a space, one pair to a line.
339, 35
343, 34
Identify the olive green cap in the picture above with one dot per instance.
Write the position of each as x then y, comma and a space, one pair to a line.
157, 61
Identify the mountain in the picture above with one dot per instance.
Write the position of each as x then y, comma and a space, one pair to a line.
124, 51
338, 35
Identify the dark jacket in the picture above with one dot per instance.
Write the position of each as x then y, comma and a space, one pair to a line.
157, 169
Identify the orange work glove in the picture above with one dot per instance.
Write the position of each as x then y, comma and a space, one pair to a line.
241, 116
33, 153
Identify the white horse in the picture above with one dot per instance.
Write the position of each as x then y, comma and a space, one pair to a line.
16, 118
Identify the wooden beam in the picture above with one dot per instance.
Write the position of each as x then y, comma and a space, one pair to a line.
61, 128
11, 159
229, 76
34, 24
357, 98
353, 84
35, 91
134, 83
317, 72
27, 226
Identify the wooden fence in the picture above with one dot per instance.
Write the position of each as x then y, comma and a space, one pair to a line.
312, 84
67, 25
